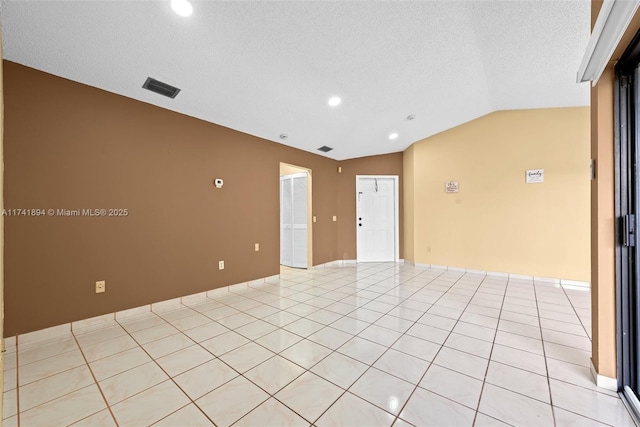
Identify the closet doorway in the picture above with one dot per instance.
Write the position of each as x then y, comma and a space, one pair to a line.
295, 216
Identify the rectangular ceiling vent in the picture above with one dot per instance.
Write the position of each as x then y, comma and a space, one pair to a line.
325, 149
161, 88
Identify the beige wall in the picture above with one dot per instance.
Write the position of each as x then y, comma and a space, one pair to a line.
497, 222
286, 169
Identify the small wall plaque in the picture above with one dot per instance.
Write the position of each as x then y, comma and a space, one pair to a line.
451, 187
535, 176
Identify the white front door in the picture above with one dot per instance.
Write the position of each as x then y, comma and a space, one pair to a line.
377, 218
293, 220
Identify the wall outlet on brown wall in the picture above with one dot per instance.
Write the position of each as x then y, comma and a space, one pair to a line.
220, 265
257, 247
101, 286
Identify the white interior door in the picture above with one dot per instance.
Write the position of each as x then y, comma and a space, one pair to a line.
377, 218
293, 220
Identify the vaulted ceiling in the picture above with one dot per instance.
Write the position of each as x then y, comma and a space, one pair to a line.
268, 68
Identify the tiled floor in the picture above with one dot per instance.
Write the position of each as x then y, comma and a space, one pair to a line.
376, 344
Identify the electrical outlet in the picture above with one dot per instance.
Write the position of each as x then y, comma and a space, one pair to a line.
335, 218
257, 247
101, 286
314, 218
220, 265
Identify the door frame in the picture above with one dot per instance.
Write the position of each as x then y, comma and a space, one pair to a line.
396, 213
288, 169
627, 256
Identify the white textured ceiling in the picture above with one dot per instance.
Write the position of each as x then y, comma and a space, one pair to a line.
269, 67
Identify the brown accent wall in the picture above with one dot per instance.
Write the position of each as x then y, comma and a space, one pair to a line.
389, 164
71, 146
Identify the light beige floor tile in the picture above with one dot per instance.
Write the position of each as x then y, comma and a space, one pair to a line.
417, 347
256, 329
274, 374
309, 395
154, 333
589, 403
271, 413
513, 408
427, 408
99, 419
339, 369
520, 329
120, 362
168, 345
365, 315
190, 416
519, 342
394, 323
205, 331
453, 385
569, 419
34, 353
464, 363
567, 354
520, 359
133, 381
99, 335
49, 388
150, 406
580, 342
383, 390
483, 420
475, 331
202, 379
107, 348
350, 410
402, 365
519, 381
148, 320
469, 345
65, 410
303, 327
246, 357
479, 319
236, 320
224, 343
50, 366
429, 333
183, 360
360, 349
329, 337
574, 374
278, 340
380, 335
230, 402
306, 353
9, 403
281, 318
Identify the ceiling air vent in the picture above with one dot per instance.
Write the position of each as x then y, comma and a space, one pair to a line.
162, 88
325, 149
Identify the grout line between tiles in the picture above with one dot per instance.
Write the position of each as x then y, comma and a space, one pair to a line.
95, 380
546, 365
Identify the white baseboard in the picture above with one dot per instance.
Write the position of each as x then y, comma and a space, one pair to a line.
607, 383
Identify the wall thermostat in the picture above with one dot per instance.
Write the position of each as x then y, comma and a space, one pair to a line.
218, 182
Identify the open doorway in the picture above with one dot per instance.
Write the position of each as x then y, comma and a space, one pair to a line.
296, 249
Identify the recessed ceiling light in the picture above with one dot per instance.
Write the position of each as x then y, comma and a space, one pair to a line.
393, 136
182, 7
335, 101
411, 117
284, 136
